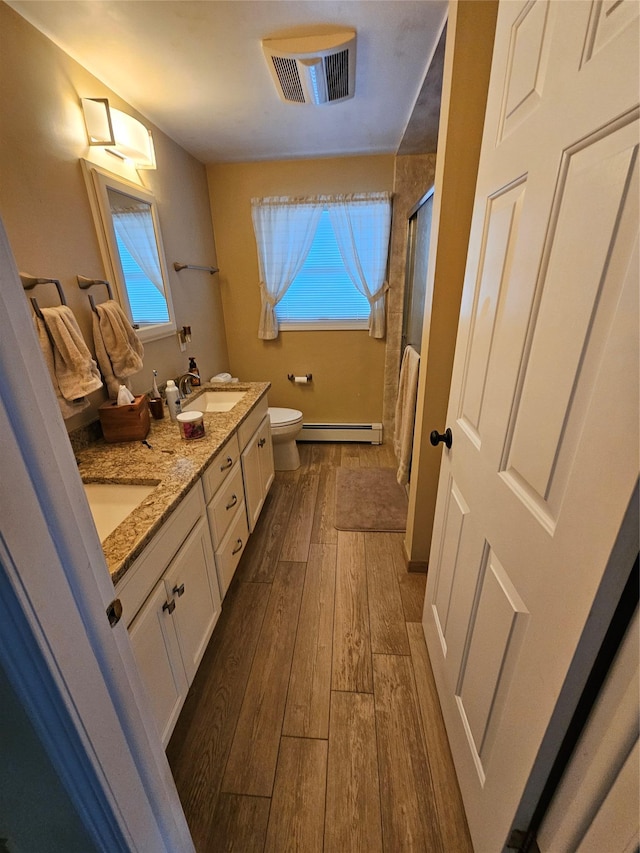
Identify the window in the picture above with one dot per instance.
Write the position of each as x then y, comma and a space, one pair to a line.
322, 295
322, 262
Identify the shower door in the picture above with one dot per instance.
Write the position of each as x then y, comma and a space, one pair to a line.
416, 275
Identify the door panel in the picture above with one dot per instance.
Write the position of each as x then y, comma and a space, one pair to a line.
499, 238
544, 396
448, 562
574, 290
529, 45
608, 19
497, 627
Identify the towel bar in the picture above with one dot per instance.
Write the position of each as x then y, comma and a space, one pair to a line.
178, 266
30, 281
84, 283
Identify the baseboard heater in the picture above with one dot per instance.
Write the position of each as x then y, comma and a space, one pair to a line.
369, 433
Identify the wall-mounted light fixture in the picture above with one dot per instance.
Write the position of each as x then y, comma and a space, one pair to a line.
118, 133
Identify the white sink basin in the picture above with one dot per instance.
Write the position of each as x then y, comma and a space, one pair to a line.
214, 401
111, 503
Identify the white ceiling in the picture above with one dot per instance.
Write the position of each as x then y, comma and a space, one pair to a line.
196, 69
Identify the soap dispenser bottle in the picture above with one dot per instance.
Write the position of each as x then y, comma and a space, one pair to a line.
173, 399
193, 368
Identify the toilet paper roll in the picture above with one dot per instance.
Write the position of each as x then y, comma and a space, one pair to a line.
300, 380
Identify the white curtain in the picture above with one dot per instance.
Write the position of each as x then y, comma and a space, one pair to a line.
284, 229
135, 229
362, 225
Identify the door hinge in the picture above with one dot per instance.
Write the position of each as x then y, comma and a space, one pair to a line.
522, 842
114, 612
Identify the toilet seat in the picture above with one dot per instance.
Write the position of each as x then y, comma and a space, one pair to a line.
280, 417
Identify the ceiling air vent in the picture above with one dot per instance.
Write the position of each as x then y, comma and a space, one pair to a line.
313, 69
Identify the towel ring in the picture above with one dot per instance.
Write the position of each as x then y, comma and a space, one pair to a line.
84, 283
31, 281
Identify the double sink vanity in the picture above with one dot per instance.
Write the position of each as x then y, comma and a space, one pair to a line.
173, 518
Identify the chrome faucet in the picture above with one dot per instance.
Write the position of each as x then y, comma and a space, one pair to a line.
184, 385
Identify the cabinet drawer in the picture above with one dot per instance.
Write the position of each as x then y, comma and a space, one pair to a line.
220, 468
252, 422
223, 507
140, 579
229, 553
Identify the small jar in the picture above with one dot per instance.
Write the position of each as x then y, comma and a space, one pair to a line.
191, 425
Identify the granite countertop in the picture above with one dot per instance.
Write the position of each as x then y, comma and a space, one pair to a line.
172, 463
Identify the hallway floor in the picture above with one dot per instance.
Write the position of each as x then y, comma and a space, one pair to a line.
313, 722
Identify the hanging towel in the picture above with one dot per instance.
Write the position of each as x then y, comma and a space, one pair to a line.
406, 412
118, 348
68, 408
75, 370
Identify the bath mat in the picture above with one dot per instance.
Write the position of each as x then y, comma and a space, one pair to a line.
370, 499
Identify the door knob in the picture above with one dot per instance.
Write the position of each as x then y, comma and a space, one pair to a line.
435, 438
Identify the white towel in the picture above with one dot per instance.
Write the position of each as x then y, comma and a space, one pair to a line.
75, 370
118, 348
66, 407
406, 412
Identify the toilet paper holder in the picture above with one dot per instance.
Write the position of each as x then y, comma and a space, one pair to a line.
300, 380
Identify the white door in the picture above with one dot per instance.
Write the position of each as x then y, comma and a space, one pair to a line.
543, 409
74, 675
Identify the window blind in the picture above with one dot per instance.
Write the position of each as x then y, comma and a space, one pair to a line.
322, 291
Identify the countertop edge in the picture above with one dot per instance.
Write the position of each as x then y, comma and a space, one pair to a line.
167, 459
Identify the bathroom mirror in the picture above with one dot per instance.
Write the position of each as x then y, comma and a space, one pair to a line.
128, 229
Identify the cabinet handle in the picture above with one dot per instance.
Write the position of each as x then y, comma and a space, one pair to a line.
179, 590
170, 606
238, 547
232, 502
227, 464
262, 442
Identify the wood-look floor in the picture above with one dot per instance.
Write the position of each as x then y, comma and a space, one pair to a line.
313, 722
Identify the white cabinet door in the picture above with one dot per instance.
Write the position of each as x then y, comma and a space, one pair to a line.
252, 480
267, 471
257, 470
191, 582
157, 653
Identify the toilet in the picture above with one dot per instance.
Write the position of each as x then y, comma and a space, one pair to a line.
285, 428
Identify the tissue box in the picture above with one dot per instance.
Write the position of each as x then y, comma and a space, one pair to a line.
125, 423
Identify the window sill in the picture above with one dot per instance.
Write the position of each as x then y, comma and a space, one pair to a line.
156, 332
324, 326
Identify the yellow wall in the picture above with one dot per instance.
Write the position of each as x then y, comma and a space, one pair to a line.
45, 208
470, 34
347, 366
